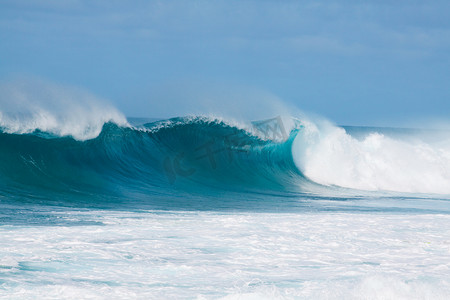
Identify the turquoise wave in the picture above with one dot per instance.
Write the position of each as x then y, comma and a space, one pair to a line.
152, 163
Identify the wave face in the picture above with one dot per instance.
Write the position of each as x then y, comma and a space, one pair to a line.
162, 158
192, 158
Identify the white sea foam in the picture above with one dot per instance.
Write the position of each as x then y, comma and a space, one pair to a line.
328, 155
29, 105
205, 255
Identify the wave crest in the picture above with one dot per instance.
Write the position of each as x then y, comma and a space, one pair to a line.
375, 161
33, 105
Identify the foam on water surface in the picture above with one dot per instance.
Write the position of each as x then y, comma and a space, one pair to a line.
207, 255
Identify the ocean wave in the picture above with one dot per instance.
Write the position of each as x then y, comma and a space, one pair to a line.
208, 156
190, 154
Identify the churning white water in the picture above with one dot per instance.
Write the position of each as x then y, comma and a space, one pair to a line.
329, 155
205, 255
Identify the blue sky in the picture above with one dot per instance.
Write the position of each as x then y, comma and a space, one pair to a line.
354, 62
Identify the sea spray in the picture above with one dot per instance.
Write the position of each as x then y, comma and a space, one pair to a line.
30, 105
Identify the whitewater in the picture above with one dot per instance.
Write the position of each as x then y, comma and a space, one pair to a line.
96, 205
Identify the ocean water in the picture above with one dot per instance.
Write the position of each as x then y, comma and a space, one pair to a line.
205, 208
